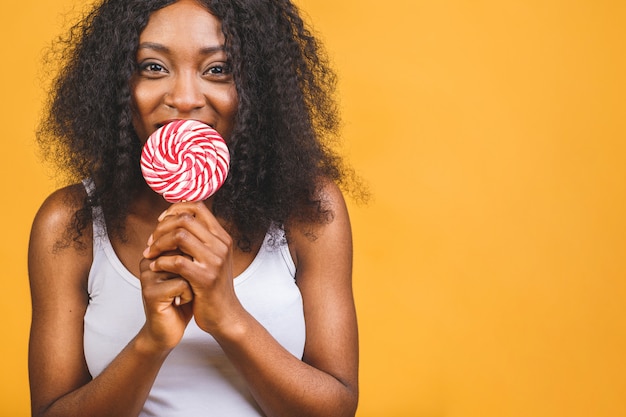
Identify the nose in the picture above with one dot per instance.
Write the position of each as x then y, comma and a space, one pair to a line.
185, 94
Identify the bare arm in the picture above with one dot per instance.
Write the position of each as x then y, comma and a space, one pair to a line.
60, 381
325, 382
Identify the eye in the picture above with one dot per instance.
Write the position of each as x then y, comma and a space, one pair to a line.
152, 68
220, 70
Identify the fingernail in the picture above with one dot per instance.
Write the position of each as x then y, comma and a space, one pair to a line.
162, 215
146, 251
150, 240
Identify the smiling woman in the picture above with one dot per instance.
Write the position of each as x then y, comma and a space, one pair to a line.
237, 305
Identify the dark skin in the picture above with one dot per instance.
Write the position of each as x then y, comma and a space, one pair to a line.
183, 250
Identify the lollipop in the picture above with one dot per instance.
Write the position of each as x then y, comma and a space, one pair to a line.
185, 160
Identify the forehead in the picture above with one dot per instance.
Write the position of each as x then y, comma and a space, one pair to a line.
185, 21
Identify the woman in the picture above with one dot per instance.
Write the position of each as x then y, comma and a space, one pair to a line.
266, 323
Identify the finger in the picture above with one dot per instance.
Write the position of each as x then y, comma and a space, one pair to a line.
149, 277
176, 242
183, 206
185, 296
184, 220
194, 257
178, 265
195, 244
194, 213
164, 293
153, 276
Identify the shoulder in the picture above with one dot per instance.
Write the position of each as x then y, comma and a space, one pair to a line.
54, 234
55, 217
329, 240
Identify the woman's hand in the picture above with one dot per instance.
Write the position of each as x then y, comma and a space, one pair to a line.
191, 244
165, 321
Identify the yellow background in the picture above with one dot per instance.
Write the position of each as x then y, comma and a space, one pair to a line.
490, 266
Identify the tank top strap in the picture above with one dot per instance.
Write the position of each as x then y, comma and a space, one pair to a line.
98, 223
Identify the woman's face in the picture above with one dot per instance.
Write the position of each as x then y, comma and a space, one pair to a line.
183, 72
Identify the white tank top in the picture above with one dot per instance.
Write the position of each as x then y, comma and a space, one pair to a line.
196, 379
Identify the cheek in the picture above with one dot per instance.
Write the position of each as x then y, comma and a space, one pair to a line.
141, 132
142, 98
228, 104
224, 100
141, 102
231, 103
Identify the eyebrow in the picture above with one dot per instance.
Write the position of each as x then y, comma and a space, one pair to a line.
207, 50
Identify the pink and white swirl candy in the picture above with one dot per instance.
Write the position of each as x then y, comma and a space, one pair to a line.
185, 160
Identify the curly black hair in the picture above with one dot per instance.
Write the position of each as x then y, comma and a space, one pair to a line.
286, 117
